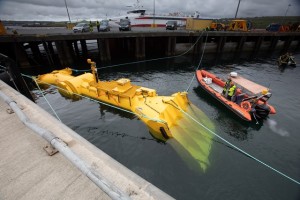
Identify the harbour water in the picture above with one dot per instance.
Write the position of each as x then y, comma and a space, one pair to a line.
230, 174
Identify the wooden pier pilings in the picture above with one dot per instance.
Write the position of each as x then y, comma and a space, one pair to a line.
67, 49
104, 50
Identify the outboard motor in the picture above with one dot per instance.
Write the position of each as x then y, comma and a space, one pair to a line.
261, 111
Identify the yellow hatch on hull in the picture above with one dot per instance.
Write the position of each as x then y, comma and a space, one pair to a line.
163, 115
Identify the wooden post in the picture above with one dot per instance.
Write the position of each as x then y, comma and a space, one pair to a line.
84, 49
257, 46
76, 48
21, 56
107, 50
104, 50
240, 46
36, 52
287, 44
15, 74
197, 49
48, 54
273, 44
60, 53
220, 46
171, 45
50, 47
140, 48
69, 51
64, 53
298, 45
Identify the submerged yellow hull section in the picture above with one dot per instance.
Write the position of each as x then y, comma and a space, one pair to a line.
165, 116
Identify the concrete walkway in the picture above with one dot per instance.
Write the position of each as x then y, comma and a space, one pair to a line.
28, 172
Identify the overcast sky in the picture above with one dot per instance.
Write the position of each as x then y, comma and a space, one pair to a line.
55, 10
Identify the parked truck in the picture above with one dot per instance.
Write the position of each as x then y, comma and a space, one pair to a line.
217, 26
198, 24
239, 25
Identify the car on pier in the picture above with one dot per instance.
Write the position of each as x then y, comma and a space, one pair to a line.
273, 27
81, 27
124, 25
171, 25
104, 26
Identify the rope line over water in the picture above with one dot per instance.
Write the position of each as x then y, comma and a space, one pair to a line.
199, 63
46, 99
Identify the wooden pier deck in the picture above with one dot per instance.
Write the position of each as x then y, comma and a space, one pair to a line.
28, 172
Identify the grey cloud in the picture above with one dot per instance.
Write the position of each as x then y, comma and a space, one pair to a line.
95, 9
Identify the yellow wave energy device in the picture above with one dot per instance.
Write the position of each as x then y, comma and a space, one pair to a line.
166, 116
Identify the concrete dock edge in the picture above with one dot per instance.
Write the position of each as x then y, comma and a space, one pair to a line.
98, 161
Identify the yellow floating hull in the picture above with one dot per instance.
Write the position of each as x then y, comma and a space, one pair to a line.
165, 116
159, 113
